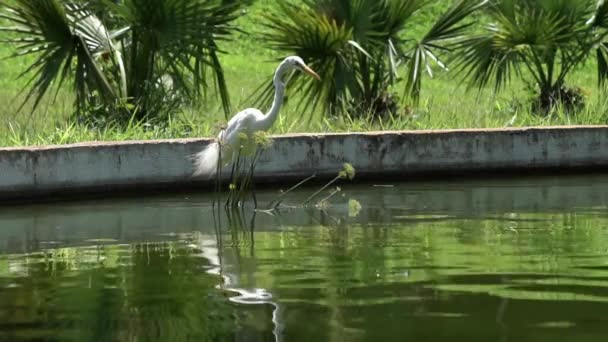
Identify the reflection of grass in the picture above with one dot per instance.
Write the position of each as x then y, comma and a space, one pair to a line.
444, 104
437, 252
513, 292
146, 291
147, 288
65, 259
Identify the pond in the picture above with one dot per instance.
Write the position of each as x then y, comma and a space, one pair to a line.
495, 260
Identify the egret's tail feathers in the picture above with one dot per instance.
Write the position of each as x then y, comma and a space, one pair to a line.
205, 162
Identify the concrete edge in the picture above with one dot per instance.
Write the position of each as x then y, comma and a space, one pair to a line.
105, 168
295, 135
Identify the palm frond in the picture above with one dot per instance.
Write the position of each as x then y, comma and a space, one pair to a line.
602, 63
321, 42
546, 37
176, 35
483, 62
600, 15
443, 34
60, 36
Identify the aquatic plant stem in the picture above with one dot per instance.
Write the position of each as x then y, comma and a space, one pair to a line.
320, 190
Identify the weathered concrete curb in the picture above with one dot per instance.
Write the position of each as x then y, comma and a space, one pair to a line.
105, 167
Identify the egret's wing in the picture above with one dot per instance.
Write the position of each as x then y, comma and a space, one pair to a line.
241, 123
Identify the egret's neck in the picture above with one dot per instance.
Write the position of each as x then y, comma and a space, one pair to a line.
273, 113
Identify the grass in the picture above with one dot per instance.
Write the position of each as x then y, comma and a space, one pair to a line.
445, 102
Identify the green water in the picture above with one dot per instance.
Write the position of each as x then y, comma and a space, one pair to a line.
489, 260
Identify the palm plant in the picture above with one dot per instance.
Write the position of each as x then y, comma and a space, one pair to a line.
540, 40
358, 46
141, 48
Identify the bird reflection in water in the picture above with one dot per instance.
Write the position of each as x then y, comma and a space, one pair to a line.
233, 222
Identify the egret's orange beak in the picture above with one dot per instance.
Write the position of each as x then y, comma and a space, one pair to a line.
311, 72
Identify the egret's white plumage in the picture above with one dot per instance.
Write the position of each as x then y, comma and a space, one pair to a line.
246, 122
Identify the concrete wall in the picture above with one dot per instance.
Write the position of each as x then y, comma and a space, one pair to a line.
108, 167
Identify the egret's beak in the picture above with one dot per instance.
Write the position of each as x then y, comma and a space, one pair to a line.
311, 72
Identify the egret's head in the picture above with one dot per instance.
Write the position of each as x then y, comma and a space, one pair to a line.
295, 62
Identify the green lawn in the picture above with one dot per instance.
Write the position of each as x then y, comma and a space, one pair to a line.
445, 101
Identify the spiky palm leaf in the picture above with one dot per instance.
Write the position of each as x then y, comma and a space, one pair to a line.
357, 45
322, 43
599, 25
330, 35
61, 37
438, 41
546, 38
178, 37
152, 39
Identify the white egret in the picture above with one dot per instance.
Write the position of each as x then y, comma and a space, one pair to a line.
248, 122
